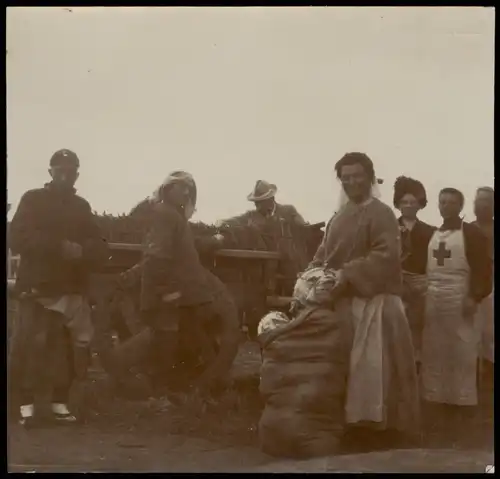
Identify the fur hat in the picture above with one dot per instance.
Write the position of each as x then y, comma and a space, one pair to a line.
405, 185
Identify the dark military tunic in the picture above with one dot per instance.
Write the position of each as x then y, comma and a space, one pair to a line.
282, 231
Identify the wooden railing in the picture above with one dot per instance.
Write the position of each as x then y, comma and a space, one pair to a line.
271, 259
13, 260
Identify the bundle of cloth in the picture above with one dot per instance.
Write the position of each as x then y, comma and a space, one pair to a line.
304, 372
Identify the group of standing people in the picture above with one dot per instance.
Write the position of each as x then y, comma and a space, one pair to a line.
447, 270
448, 293
443, 275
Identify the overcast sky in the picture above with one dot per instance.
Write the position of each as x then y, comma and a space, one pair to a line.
234, 95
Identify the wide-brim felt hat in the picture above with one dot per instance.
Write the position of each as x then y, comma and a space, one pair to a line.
262, 191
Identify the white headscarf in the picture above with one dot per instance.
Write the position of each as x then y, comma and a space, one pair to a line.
189, 209
178, 177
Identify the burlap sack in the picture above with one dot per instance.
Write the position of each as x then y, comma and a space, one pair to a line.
303, 383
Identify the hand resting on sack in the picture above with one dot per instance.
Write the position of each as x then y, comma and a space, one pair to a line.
327, 289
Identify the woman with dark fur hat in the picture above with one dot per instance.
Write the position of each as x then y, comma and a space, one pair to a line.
409, 198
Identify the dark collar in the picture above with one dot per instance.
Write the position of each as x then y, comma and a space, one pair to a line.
402, 226
451, 224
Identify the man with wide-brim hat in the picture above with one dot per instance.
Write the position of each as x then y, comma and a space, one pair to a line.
266, 207
280, 225
262, 191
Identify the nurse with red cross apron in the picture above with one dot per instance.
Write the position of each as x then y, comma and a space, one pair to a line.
450, 337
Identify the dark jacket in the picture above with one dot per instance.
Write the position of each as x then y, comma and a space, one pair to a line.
489, 232
45, 218
282, 215
478, 256
415, 245
283, 231
171, 263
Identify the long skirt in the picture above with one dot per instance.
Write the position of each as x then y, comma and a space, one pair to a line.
415, 286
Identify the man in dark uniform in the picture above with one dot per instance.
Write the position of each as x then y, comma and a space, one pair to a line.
266, 207
281, 227
54, 232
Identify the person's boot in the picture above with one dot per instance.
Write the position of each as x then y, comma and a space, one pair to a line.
27, 412
62, 414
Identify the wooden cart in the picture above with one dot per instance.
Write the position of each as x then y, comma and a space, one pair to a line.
251, 276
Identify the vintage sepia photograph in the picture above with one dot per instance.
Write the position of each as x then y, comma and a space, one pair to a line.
250, 239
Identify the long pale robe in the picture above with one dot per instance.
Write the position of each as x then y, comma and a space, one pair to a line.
364, 242
450, 339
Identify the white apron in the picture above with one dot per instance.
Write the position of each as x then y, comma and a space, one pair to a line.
365, 388
382, 389
450, 340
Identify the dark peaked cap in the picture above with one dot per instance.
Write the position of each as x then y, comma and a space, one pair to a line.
64, 157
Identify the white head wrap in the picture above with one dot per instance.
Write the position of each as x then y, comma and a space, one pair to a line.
189, 209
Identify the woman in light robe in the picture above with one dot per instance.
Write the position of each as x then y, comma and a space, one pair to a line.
409, 198
362, 241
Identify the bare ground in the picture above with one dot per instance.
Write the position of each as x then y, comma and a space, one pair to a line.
125, 436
